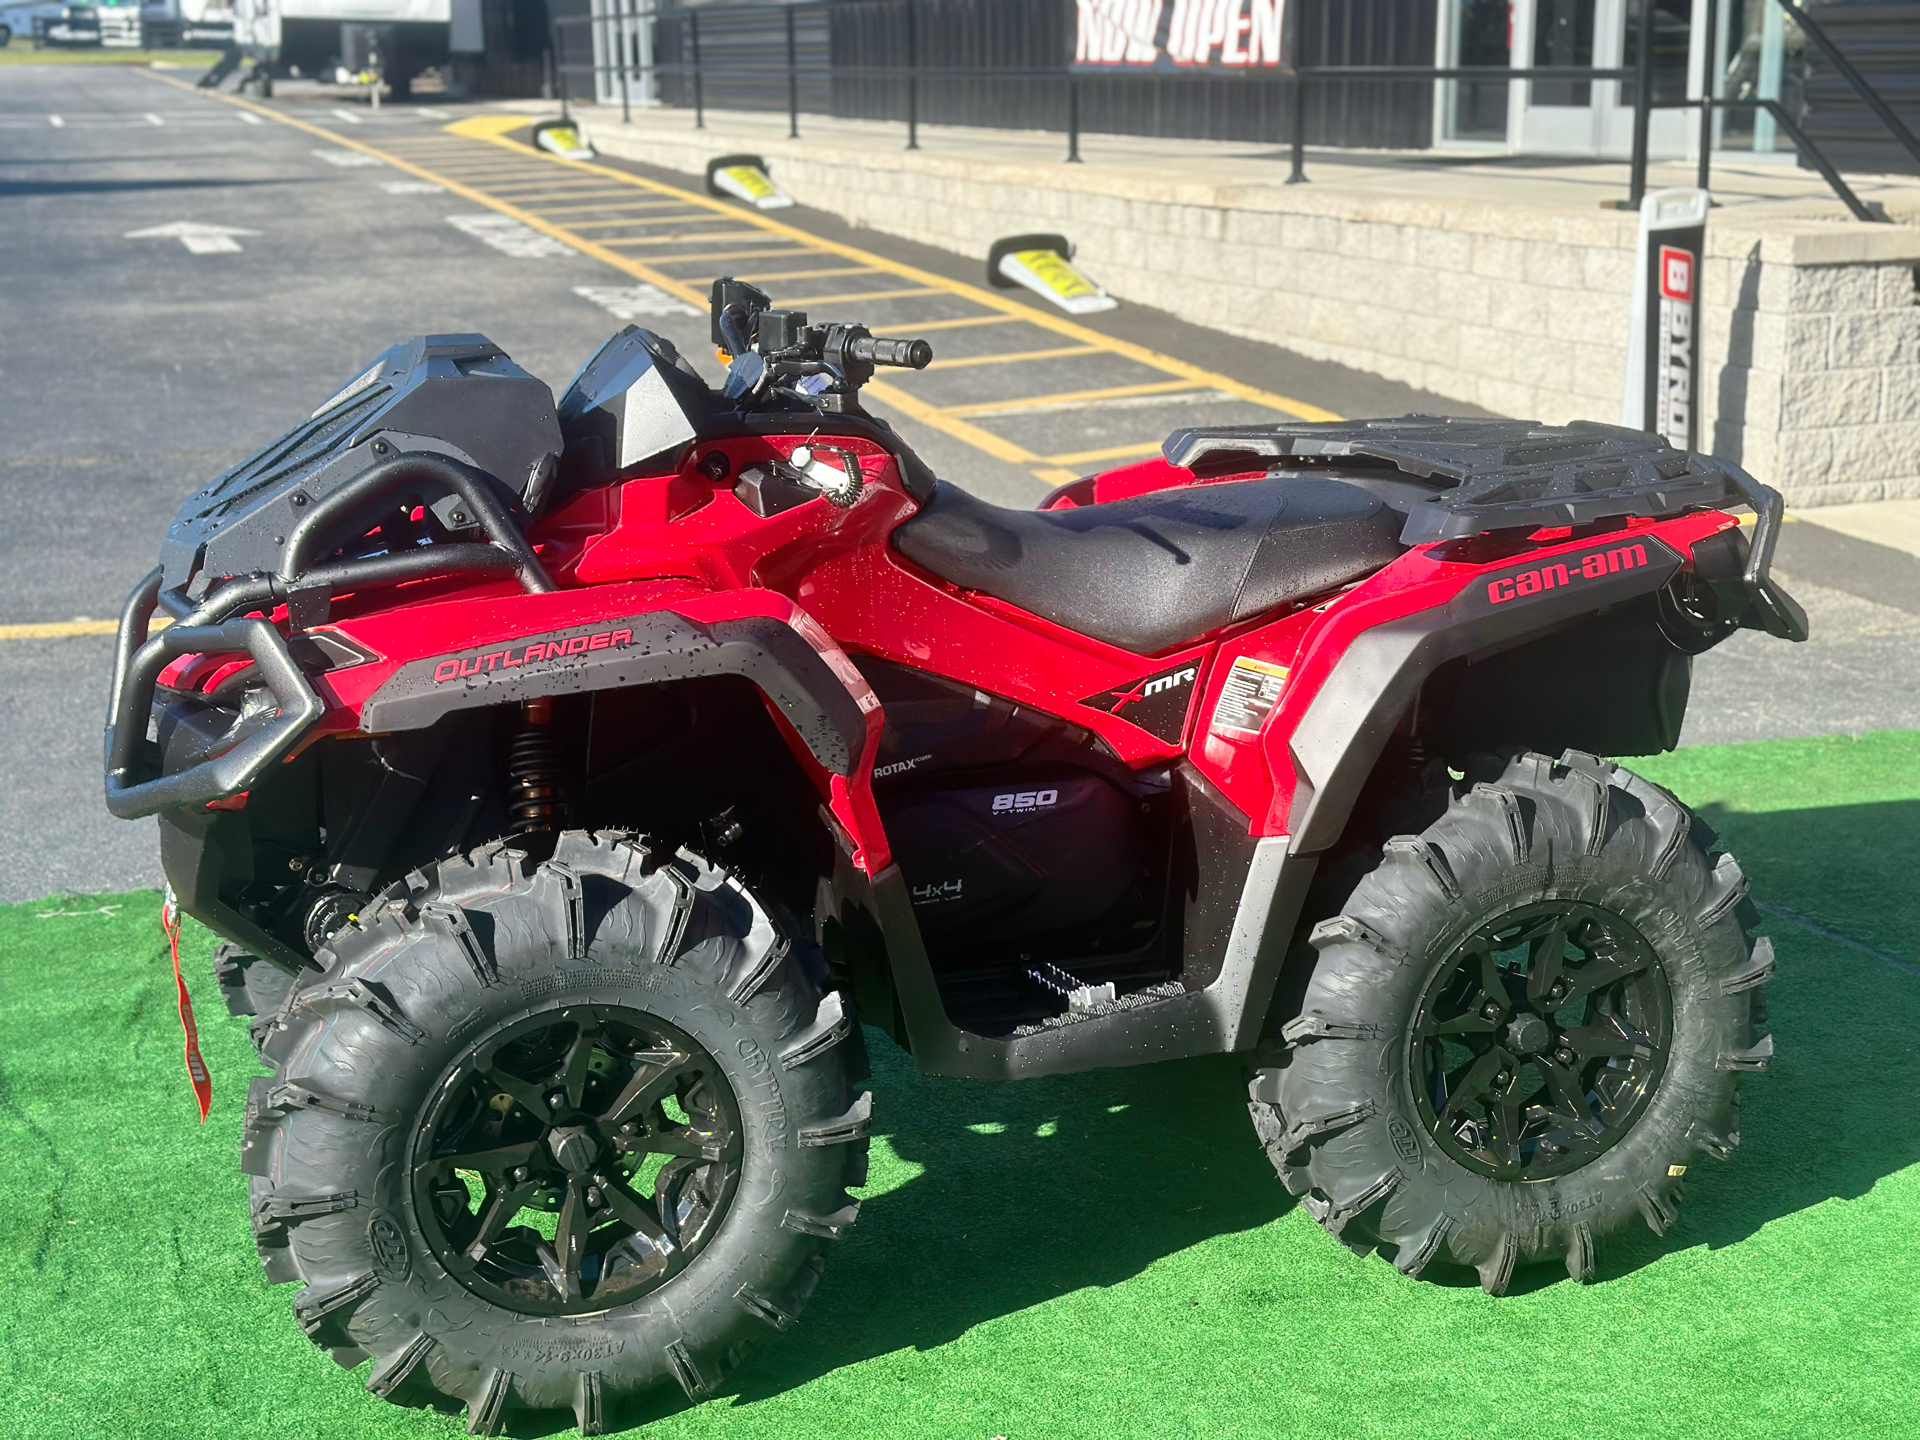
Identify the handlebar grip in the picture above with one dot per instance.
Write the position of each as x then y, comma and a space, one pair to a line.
908, 354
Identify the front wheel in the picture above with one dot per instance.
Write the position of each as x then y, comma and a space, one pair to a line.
1526, 1024
545, 1136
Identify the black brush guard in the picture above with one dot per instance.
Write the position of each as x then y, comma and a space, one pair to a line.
135, 782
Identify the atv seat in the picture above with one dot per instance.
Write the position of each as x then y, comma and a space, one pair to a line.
1149, 572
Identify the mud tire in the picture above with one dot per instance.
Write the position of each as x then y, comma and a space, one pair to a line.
1333, 1094
459, 951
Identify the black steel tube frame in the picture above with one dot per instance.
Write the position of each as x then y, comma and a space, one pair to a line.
210, 629
132, 791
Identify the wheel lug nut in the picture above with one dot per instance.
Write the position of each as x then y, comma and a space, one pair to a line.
521, 1172
556, 1099
1491, 1010
593, 1196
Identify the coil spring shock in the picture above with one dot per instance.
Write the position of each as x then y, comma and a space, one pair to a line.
535, 799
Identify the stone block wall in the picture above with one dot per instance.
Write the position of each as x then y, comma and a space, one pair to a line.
1810, 329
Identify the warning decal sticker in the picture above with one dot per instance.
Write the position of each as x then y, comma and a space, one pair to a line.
1252, 690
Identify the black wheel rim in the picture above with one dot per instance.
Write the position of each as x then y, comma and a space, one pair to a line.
576, 1160
1541, 1040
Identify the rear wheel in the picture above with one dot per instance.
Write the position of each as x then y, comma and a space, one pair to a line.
546, 1136
1524, 1027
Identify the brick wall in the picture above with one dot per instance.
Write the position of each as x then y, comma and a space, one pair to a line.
1810, 330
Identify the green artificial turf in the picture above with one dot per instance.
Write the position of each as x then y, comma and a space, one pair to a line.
1096, 1256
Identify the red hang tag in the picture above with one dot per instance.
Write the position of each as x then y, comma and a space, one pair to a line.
196, 1067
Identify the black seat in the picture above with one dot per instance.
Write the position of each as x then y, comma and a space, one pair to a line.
1147, 573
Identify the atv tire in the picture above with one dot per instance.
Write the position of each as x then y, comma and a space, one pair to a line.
494, 1037
1422, 1104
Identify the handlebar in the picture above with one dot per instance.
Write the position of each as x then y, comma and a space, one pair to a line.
908, 354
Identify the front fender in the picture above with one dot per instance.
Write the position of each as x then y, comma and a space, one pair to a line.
830, 714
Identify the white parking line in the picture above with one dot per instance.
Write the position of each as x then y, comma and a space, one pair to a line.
250, 118
634, 302
347, 159
55, 121
412, 187
510, 237
153, 119
348, 116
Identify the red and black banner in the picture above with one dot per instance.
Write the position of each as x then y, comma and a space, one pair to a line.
1181, 36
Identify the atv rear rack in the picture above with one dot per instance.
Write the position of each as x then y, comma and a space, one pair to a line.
1518, 475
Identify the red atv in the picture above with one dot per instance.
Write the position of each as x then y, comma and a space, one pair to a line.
571, 781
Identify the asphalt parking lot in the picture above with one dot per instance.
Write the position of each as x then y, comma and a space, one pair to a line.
137, 359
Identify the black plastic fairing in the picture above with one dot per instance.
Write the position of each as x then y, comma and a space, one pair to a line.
1374, 682
648, 649
457, 395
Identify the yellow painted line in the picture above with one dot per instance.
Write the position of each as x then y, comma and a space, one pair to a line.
705, 256
966, 323
1066, 397
487, 127
479, 197
65, 629
856, 295
518, 193
930, 415
493, 130
1059, 352
684, 239
987, 299
629, 220
804, 274
604, 209
1057, 477
1112, 452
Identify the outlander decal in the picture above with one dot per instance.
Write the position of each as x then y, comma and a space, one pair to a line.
458, 667
1156, 703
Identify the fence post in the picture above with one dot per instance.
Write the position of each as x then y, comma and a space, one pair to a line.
624, 35
699, 91
1709, 82
1073, 120
1642, 106
793, 82
913, 78
1298, 84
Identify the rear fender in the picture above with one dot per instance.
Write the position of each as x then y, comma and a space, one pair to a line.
1366, 665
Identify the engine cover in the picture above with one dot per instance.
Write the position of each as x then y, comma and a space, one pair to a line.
999, 861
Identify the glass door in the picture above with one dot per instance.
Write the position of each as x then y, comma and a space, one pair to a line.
1595, 117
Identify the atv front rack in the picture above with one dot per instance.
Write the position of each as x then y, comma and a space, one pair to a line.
1491, 475
136, 785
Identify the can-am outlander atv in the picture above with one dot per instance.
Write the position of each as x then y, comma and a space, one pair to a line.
572, 781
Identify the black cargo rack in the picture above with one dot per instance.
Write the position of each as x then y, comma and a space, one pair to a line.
1491, 475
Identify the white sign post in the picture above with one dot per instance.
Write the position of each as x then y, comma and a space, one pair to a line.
1662, 390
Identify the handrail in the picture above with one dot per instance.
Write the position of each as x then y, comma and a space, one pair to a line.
1296, 78
1853, 77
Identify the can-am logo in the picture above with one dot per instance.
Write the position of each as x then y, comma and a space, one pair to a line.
1574, 569
456, 667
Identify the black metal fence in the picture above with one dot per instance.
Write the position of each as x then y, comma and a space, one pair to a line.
993, 63
1005, 63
